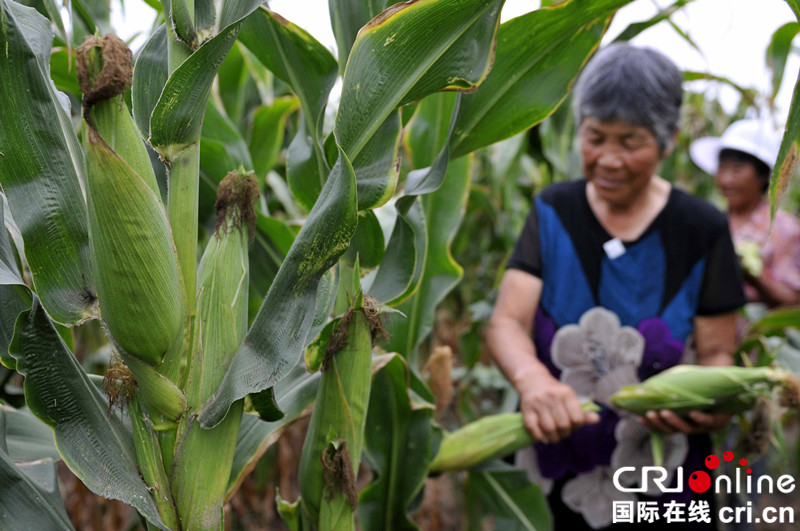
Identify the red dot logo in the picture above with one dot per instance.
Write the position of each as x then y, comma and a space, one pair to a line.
728, 456
712, 462
749, 470
743, 461
699, 481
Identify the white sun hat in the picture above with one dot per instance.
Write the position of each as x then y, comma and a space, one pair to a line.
753, 137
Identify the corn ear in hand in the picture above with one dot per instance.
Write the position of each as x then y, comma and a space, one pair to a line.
490, 437
685, 388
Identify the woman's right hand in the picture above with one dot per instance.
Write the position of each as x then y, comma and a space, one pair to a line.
550, 409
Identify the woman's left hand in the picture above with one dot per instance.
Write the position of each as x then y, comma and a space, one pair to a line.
668, 422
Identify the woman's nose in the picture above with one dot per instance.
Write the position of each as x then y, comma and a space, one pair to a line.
610, 158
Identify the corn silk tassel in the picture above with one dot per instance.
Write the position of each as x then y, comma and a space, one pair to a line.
332, 449
203, 457
686, 388
487, 438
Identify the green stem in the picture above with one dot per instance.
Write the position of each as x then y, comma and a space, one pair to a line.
184, 186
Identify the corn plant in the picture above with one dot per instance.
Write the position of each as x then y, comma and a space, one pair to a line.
108, 214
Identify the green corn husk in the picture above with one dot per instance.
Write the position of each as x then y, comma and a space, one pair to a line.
687, 388
490, 437
200, 482
135, 262
332, 449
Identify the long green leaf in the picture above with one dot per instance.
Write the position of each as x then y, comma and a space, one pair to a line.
295, 57
400, 443
29, 494
786, 163
294, 394
42, 169
778, 52
152, 72
92, 441
271, 243
404, 255
538, 57
222, 147
27, 438
177, 118
409, 51
267, 132
347, 17
378, 164
279, 333
507, 494
443, 212
637, 27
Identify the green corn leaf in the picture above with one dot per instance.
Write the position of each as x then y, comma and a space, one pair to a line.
400, 443
786, 162
42, 169
181, 21
367, 243
440, 273
152, 72
778, 53
267, 132
295, 57
347, 17
426, 132
92, 442
450, 42
309, 69
272, 242
222, 147
27, 438
235, 85
508, 495
398, 275
280, 331
294, 394
29, 493
177, 119
637, 27
538, 57
378, 164
90, 17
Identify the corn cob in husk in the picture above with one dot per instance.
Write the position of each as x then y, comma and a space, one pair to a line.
199, 483
134, 258
490, 437
335, 438
687, 388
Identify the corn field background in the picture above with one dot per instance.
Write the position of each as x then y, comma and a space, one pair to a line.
217, 293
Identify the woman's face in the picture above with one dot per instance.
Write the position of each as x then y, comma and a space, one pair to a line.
619, 159
739, 184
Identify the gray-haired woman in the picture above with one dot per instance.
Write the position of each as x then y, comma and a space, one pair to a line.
610, 277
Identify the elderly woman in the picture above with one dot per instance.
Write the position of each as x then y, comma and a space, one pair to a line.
741, 161
611, 275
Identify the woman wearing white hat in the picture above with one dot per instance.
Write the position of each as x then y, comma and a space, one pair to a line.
741, 161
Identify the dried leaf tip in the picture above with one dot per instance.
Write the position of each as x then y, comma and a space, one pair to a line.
237, 195
104, 68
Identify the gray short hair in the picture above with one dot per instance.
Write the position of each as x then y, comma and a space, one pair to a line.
640, 86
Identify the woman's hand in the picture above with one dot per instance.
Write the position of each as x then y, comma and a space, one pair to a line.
668, 422
551, 409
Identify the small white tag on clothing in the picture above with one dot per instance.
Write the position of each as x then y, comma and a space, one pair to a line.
614, 248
